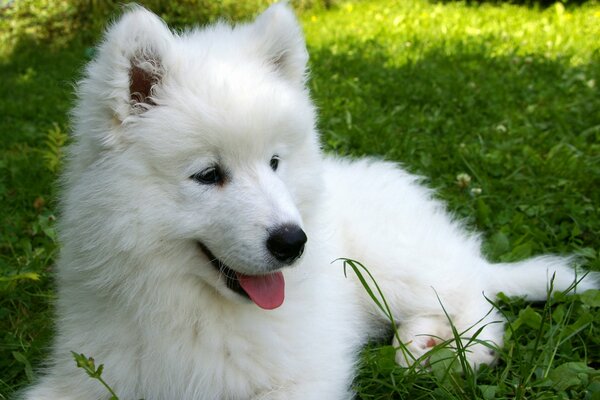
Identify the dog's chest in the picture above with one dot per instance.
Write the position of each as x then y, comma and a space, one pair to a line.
239, 354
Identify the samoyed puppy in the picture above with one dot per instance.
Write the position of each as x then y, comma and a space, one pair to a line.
201, 223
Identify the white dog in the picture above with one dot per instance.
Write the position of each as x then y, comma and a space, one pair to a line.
200, 221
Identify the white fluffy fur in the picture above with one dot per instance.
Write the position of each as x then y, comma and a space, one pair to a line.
135, 292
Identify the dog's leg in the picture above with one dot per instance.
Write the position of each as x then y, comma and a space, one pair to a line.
51, 388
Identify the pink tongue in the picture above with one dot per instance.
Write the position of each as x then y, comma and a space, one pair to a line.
267, 291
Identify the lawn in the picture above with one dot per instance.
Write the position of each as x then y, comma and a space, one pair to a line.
497, 106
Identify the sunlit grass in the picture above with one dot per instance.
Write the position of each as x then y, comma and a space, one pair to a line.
407, 28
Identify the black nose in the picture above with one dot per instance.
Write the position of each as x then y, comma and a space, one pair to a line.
286, 242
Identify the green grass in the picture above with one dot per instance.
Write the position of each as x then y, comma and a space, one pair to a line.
506, 94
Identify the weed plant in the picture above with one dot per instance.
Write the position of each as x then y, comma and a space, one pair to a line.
495, 104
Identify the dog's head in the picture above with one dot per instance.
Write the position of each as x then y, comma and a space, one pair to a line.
204, 140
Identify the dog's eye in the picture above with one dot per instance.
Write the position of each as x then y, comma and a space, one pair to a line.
209, 176
274, 162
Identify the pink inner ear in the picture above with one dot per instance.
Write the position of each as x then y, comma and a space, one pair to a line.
140, 85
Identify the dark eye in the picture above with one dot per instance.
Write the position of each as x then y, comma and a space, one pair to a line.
209, 176
274, 162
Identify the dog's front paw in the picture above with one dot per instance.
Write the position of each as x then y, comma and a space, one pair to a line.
419, 339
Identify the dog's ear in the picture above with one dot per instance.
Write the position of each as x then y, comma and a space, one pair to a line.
279, 38
130, 64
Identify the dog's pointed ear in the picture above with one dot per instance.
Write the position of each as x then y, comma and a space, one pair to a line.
130, 64
280, 40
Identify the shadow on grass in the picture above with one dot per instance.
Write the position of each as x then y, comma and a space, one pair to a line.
37, 82
524, 127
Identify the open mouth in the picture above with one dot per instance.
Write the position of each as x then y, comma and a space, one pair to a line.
266, 291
